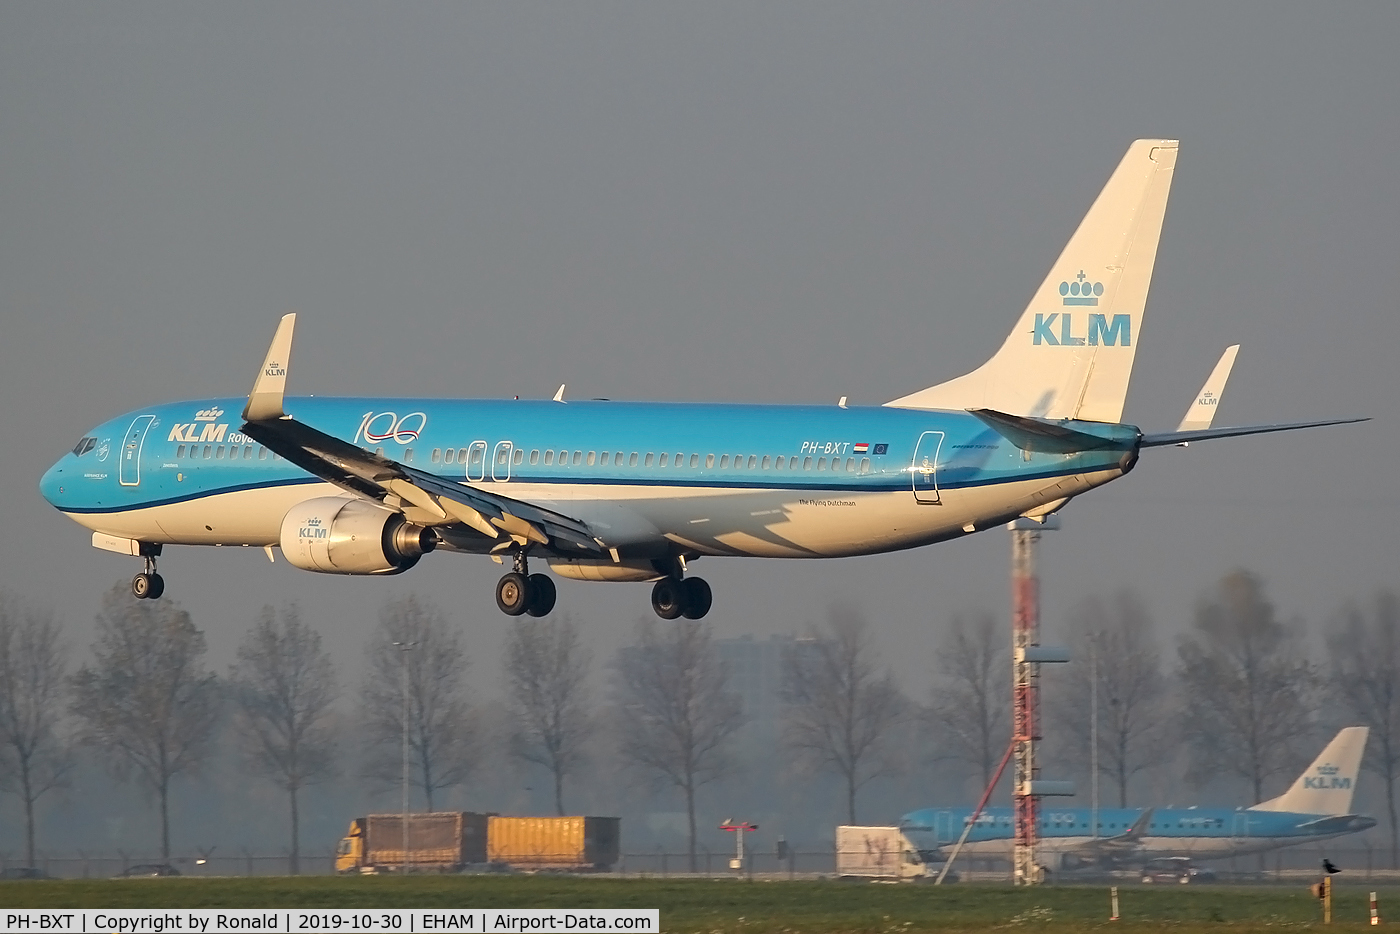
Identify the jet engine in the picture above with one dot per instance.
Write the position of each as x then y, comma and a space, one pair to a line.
335, 535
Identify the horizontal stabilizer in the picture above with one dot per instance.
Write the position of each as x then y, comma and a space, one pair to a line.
1176, 437
1041, 435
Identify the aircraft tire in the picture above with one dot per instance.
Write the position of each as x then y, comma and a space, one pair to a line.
667, 598
542, 595
141, 586
513, 594
157, 587
696, 598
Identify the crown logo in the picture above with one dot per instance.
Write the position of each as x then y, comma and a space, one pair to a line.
1328, 769
313, 521
208, 415
1081, 291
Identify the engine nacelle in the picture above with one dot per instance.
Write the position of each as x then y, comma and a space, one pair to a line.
588, 569
334, 535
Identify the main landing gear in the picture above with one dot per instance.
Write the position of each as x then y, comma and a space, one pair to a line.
521, 592
148, 585
689, 597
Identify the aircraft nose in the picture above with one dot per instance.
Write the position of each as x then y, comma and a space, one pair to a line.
55, 481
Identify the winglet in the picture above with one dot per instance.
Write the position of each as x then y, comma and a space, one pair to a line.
265, 401
559, 393
1202, 411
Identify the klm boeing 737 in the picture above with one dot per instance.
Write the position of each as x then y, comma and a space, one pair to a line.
619, 491
1316, 808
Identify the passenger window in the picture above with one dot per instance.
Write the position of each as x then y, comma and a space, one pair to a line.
765, 462
694, 460
662, 462
449, 456
850, 464
502, 455
821, 463
219, 453
180, 451
518, 457
680, 460
709, 461
247, 452
723, 461
578, 458
603, 458
649, 458
535, 456
807, 463
477, 453
753, 461
549, 457
436, 455
778, 462
592, 458
262, 452
408, 455
632, 461
865, 465
461, 455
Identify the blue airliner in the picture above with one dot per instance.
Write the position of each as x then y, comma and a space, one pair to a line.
1316, 808
621, 491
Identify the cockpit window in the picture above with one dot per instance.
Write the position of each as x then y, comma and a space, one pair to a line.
83, 446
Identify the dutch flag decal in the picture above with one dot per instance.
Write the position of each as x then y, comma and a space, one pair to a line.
861, 448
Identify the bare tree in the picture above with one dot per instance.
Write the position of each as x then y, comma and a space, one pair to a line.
676, 713
1249, 690
34, 757
1365, 651
1113, 638
548, 671
970, 699
442, 733
147, 699
284, 684
841, 713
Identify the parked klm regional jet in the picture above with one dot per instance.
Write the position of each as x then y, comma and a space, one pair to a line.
1316, 808
617, 491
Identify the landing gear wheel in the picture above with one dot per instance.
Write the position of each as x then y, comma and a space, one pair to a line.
541, 595
667, 599
513, 594
157, 587
696, 596
142, 585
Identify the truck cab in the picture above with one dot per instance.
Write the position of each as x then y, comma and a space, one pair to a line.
350, 852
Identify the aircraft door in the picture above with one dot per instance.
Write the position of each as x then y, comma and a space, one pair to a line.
924, 469
943, 828
500, 461
129, 473
476, 461
1239, 830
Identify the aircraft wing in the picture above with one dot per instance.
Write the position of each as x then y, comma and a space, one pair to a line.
1119, 845
430, 500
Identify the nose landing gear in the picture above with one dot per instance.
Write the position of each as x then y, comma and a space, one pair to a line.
148, 585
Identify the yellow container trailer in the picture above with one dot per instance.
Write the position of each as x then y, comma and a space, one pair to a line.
588, 844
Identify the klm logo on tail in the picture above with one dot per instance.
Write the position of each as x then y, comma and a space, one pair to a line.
1117, 331
1326, 778
1081, 291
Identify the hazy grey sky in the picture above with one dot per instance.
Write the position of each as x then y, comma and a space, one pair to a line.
706, 201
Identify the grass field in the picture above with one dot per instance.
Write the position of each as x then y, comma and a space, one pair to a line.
725, 905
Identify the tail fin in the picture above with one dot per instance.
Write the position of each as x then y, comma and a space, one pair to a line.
1071, 354
1326, 786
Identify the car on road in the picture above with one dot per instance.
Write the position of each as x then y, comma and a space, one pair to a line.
1176, 869
149, 870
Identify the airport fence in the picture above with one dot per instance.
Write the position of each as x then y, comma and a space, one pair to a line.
1289, 864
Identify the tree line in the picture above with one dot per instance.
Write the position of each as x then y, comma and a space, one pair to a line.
1243, 697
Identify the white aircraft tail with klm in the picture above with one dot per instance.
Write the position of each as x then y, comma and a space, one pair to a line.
1326, 786
1071, 353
